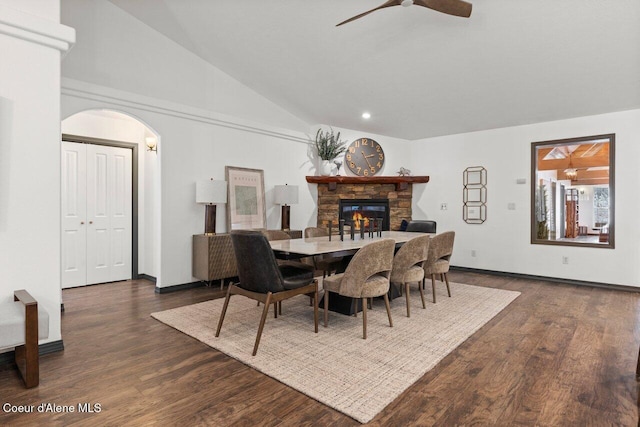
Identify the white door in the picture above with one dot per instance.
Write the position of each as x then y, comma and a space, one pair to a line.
108, 210
74, 215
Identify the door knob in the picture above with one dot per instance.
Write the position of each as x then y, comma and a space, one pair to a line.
81, 222
90, 222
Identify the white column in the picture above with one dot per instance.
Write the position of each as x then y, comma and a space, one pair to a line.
31, 41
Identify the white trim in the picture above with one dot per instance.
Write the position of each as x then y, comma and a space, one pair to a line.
25, 26
104, 95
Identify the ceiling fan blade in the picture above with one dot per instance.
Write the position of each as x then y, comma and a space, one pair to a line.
450, 7
389, 3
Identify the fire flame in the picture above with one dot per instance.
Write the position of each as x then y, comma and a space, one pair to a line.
356, 217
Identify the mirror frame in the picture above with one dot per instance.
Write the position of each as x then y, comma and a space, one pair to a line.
534, 169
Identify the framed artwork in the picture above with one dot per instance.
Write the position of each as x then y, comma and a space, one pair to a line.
245, 206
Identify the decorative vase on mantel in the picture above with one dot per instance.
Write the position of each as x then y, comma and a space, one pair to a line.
325, 167
328, 147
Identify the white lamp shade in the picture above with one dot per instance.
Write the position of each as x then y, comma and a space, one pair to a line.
286, 194
211, 192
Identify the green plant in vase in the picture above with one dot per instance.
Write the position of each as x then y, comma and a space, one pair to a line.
329, 147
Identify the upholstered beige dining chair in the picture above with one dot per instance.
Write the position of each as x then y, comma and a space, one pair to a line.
408, 267
327, 263
276, 235
440, 250
366, 276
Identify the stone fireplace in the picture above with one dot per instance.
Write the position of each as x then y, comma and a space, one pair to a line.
398, 191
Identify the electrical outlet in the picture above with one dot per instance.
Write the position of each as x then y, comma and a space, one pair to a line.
473, 253
565, 260
443, 206
511, 206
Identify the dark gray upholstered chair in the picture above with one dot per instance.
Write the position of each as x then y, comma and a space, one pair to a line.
408, 266
262, 279
440, 250
421, 226
272, 235
307, 263
366, 276
326, 263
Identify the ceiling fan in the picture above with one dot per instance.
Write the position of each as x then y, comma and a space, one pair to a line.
450, 7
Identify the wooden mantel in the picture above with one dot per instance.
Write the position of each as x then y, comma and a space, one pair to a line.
401, 182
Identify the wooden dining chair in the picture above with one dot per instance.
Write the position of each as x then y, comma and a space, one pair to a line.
440, 250
263, 280
366, 276
408, 267
327, 263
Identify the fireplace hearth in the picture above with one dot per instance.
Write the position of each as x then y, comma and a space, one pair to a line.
354, 210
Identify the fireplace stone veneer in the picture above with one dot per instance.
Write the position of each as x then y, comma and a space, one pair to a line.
398, 189
329, 201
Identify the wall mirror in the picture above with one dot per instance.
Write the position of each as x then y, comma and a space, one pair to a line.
572, 192
474, 195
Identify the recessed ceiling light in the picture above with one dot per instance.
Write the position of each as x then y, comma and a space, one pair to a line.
366, 115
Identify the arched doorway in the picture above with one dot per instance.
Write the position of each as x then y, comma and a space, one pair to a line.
114, 135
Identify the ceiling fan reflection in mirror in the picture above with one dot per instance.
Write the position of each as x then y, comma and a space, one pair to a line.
450, 7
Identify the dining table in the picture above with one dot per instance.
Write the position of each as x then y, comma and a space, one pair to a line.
310, 246
337, 246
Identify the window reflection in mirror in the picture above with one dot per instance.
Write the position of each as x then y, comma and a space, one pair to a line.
572, 191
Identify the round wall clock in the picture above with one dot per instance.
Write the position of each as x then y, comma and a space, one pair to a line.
364, 157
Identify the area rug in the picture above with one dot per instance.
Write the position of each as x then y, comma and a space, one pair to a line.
336, 366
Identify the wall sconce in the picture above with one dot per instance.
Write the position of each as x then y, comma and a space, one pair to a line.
152, 143
286, 195
211, 193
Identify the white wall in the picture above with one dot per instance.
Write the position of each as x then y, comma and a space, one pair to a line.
395, 149
47, 9
502, 243
585, 203
30, 154
116, 50
119, 127
206, 120
197, 144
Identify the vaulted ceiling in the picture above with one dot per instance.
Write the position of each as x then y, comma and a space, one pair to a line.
590, 160
418, 72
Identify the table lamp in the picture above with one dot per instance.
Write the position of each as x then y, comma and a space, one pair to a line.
211, 193
286, 195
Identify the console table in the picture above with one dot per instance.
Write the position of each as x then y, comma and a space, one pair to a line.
213, 257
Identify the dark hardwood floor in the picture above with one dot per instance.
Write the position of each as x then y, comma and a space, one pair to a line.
559, 355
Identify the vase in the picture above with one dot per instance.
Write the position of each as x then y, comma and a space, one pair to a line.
324, 167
